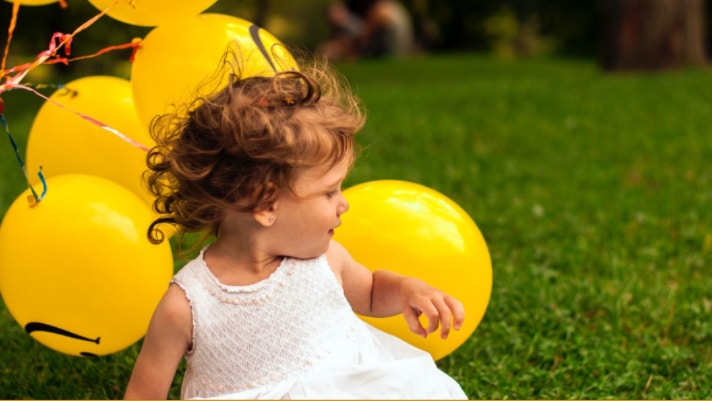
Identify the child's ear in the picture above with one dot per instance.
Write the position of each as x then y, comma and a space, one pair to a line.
266, 217
265, 211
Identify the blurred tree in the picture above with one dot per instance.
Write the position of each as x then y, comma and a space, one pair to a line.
532, 26
653, 34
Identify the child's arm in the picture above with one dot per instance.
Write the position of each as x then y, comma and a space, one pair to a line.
383, 293
167, 339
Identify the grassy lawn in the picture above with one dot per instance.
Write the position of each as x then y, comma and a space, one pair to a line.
590, 190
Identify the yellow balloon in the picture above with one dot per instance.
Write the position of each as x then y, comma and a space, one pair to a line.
62, 142
77, 271
416, 231
174, 60
151, 12
32, 2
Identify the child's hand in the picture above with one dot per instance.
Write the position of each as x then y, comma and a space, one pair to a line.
441, 309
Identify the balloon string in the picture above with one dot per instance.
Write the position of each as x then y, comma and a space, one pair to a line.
34, 199
86, 117
134, 44
10, 31
49, 56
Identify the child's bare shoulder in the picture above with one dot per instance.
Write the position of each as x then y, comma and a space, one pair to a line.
174, 309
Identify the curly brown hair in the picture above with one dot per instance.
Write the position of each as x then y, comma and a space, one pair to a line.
241, 147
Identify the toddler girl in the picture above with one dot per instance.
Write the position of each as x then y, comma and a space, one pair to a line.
267, 309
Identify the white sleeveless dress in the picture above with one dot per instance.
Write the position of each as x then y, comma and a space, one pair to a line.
294, 336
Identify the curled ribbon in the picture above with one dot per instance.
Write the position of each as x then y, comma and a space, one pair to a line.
51, 55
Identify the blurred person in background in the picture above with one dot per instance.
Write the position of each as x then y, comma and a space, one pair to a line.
368, 29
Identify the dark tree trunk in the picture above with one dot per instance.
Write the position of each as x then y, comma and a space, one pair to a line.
262, 10
653, 34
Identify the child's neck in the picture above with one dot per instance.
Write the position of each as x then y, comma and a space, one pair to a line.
236, 265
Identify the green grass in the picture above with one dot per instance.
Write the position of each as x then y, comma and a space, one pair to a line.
590, 190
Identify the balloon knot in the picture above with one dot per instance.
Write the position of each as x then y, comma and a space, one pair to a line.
32, 201
135, 43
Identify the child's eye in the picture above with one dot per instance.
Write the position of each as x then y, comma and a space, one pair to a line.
333, 193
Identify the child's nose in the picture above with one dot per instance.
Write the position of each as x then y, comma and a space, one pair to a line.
343, 206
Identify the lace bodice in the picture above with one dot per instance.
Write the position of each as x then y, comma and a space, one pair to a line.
256, 335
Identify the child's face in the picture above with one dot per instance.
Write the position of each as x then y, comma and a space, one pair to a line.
307, 216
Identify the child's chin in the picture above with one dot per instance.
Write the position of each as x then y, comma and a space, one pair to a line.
310, 250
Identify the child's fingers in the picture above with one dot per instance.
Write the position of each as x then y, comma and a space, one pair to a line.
411, 317
444, 316
432, 312
458, 311
449, 312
